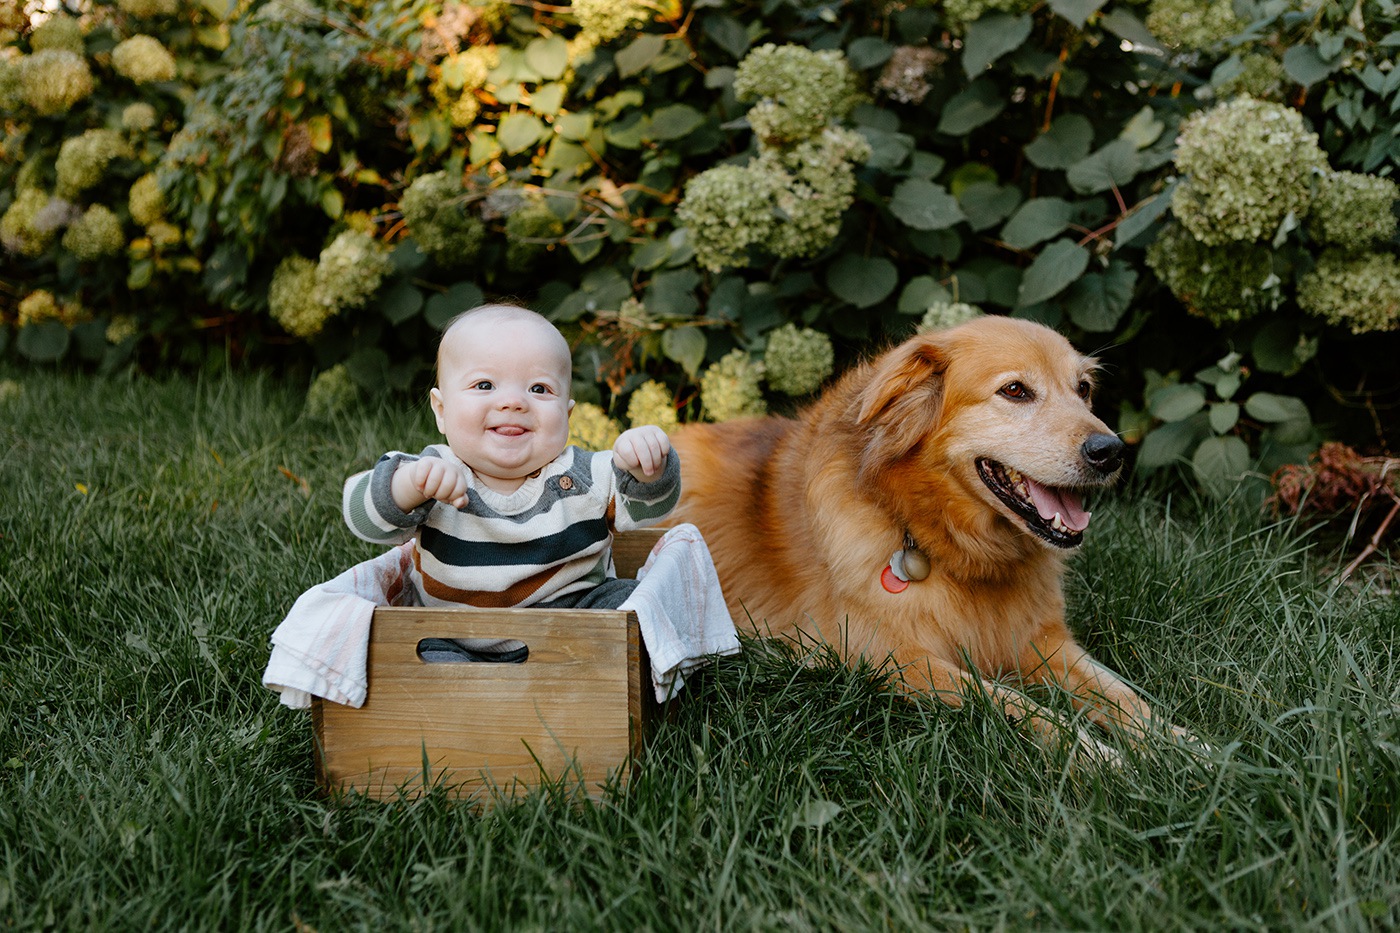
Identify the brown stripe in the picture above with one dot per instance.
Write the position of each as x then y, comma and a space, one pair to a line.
611, 515
488, 599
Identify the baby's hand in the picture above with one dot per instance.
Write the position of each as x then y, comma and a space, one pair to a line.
437, 479
642, 452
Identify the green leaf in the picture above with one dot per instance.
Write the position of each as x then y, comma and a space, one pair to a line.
675, 121
1169, 443
547, 99
1303, 64
1036, 221
444, 306
685, 345
1220, 463
1058, 264
1065, 143
1143, 129
332, 203
549, 56
400, 301
925, 205
574, 126
727, 33
639, 53
1177, 402
922, 293
407, 257
1076, 11
887, 150
44, 342
1141, 217
1098, 301
979, 103
1274, 347
1113, 166
368, 367
1268, 407
519, 131
868, 52
1224, 416
987, 203
672, 294
862, 281
991, 36
1125, 25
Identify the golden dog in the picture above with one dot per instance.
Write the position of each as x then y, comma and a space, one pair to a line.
970, 448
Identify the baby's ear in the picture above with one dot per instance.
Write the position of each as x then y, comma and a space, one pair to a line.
571, 406
435, 401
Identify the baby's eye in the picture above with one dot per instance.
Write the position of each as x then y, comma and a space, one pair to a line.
484, 385
540, 388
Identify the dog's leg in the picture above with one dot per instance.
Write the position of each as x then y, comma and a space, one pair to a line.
951, 684
1102, 694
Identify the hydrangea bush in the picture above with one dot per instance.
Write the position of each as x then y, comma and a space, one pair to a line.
722, 204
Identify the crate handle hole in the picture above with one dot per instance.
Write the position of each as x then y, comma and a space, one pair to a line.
472, 650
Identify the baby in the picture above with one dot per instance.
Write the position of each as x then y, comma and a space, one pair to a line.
506, 513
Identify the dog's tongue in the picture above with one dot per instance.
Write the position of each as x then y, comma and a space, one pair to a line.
1048, 501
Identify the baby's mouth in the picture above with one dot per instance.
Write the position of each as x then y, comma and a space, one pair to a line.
508, 430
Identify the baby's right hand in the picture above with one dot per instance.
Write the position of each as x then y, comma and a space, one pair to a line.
437, 479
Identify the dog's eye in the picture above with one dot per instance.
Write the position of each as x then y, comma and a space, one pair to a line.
1015, 391
1083, 389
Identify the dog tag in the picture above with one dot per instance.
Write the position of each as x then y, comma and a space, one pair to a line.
892, 583
916, 565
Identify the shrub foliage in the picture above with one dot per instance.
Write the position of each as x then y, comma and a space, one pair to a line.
1200, 191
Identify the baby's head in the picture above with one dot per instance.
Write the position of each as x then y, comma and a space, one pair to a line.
502, 394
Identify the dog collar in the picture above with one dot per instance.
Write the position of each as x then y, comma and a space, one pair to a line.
906, 565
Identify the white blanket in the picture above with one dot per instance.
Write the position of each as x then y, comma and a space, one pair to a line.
321, 647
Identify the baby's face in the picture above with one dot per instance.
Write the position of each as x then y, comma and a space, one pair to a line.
502, 399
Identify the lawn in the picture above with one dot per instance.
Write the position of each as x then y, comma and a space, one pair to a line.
153, 533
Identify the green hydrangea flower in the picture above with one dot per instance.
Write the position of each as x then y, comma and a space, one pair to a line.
351, 270
331, 393
292, 298
1223, 284
139, 117
54, 80
11, 84
961, 12
143, 59
58, 32
798, 361
799, 91
149, 9
10, 391
1193, 24
163, 234
1261, 76
651, 403
82, 160
120, 329
96, 234
435, 208
605, 20
18, 233
730, 388
591, 428
1358, 292
38, 306
947, 314
1353, 211
1248, 165
529, 230
728, 210
145, 200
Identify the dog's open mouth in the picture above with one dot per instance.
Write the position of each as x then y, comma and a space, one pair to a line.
1055, 514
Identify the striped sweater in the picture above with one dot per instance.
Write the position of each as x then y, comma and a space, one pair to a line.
552, 537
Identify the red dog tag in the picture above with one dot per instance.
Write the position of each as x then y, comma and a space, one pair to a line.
892, 583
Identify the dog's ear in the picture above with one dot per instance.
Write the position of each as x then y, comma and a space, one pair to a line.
903, 400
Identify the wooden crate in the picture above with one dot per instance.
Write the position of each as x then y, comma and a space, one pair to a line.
576, 709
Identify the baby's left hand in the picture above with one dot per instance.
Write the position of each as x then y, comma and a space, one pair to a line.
642, 451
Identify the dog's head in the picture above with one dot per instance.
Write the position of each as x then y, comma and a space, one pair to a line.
1003, 406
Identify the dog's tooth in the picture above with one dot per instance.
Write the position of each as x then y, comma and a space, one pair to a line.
1058, 523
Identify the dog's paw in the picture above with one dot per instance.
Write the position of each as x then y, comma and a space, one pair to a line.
1089, 751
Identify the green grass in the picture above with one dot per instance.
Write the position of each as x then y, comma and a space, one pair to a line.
151, 542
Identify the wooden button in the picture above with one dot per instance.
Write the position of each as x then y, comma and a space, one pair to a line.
566, 483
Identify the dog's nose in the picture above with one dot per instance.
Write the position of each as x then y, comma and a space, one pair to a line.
1104, 452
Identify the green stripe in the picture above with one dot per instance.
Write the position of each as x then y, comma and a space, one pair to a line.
641, 511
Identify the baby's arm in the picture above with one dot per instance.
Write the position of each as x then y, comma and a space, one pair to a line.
372, 508
417, 481
642, 452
